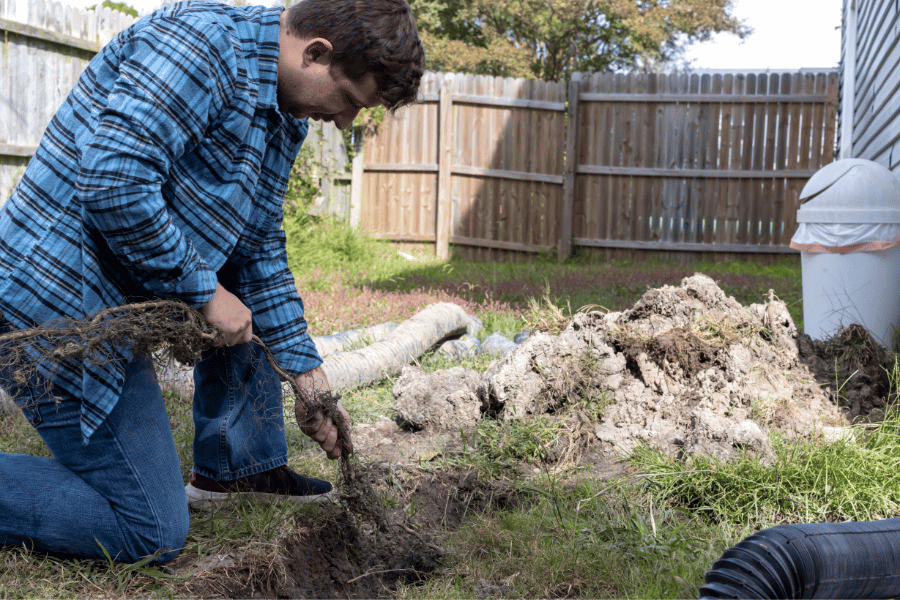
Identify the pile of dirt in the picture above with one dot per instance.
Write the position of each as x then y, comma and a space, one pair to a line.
705, 375
687, 370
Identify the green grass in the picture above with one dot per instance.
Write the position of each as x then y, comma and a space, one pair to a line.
856, 477
588, 540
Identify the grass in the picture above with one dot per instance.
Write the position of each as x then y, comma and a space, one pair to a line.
649, 535
856, 477
588, 540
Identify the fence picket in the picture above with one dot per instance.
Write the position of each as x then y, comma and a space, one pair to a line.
767, 189
599, 153
696, 149
642, 158
818, 124
788, 209
747, 150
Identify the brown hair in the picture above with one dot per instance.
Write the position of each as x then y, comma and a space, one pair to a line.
368, 36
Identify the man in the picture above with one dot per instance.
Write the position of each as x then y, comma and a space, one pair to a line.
163, 176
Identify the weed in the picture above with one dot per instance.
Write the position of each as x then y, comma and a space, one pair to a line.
544, 315
125, 573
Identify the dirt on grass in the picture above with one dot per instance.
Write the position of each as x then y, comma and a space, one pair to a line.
334, 552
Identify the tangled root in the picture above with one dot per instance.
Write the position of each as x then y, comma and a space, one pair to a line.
168, 331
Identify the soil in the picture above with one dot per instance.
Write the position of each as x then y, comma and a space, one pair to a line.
336, 553
687, 370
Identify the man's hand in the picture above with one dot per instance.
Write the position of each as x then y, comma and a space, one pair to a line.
315, 390
229, 315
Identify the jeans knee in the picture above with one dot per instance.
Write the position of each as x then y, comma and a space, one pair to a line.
170, 534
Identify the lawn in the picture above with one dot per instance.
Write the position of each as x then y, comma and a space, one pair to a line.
650, 532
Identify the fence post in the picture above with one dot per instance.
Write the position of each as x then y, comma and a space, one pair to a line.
445, 165
564, 248
356, 183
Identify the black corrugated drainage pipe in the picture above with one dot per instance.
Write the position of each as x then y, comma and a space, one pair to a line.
811, 560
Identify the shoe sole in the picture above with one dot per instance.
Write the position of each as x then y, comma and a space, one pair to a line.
203, 500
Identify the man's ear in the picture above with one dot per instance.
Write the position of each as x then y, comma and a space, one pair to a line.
318, 50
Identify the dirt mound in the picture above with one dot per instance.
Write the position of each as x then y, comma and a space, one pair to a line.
687, 370
704, 374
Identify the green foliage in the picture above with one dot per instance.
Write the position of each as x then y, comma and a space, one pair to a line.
318, 241
119, 6
364, 125
550, 39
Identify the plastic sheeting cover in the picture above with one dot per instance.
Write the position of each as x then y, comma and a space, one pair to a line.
845, 238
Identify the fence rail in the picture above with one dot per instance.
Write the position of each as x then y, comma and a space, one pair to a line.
687, 163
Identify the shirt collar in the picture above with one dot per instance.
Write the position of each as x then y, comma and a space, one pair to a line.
269, 32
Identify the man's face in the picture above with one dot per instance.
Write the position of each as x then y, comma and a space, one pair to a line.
311, 85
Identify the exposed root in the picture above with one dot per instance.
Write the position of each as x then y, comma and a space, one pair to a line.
167, 328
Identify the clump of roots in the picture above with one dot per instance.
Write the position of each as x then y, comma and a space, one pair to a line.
168, 330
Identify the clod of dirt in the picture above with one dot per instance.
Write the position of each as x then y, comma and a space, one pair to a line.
541, 373
496, 588
439, 401
857, 369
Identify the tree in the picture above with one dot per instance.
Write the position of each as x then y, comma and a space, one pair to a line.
553, 38
456, 39
119, 6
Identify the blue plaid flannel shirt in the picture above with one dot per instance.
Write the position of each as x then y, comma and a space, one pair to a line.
164, 169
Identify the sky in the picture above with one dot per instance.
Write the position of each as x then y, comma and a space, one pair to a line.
788, 34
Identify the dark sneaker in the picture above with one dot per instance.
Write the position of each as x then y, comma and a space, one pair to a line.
280, 482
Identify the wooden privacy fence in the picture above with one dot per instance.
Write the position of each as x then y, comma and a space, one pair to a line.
711, 162
46, 46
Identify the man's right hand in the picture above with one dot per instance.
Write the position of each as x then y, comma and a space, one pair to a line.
228, 314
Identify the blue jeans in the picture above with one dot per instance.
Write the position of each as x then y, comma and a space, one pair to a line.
124, 488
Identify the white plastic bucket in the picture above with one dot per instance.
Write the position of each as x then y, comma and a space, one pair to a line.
842, 289
849, 238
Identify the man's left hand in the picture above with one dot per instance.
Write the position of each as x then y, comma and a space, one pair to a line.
315, 390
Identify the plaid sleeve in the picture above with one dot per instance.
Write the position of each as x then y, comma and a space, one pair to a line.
268, 288
175, 78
